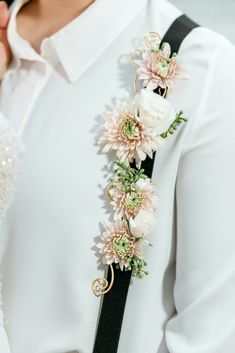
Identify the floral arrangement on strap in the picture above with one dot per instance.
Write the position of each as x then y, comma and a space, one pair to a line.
133, 130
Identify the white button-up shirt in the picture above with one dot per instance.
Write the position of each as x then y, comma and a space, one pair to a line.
54, 101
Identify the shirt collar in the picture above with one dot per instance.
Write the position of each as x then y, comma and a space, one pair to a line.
82, 40
21, 49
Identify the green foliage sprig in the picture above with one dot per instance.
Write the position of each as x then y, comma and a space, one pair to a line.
178, 120
126, 175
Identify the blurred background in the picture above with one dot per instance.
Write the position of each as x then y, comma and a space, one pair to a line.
215, 14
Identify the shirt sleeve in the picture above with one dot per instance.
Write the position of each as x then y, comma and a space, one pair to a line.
204, 290
4, 346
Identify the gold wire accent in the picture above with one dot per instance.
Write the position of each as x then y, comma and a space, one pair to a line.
100, 285
108, 193
165, 92
150, 38
135, 85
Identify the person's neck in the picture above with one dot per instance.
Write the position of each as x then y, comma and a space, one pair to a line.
48, 16
63, 8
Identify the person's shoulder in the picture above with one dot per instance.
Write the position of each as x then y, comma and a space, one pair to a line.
210, 57
207, 44
202, 42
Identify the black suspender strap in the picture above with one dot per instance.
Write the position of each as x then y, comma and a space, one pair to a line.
113, 306
9, 2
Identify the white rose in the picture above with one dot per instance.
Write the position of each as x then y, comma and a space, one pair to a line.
155, 111
142, 224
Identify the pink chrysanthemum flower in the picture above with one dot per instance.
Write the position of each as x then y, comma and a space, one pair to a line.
126, 133
128, 204
158, 68
118, 246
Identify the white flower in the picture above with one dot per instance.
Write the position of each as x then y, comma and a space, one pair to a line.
155, 111
142, 224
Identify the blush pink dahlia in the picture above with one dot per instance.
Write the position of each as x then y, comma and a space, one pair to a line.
141, 197
125, 133
118, 245
158, 68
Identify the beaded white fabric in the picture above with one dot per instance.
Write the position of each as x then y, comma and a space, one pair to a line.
11, 151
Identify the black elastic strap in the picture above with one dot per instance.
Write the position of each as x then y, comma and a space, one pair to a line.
179, 29
9, 2
110, 322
